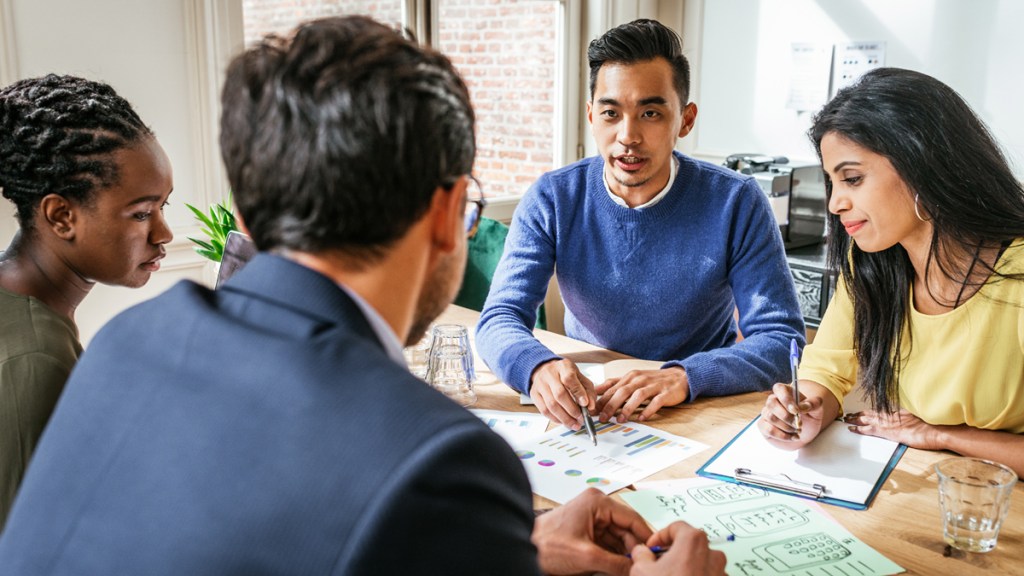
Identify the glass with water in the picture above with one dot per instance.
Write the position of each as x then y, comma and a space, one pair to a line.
974, 498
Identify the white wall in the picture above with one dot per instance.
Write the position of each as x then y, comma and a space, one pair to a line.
163, 56
743, 62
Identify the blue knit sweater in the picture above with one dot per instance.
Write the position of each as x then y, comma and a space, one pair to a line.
658, 283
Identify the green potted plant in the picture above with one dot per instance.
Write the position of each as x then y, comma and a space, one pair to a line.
216, 225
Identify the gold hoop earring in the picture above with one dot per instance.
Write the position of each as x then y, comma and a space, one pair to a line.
917, 211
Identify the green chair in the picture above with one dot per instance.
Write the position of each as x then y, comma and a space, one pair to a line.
485, 249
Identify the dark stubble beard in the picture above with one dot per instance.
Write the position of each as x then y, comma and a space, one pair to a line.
440, 290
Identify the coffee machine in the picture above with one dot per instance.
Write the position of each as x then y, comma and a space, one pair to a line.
796, 192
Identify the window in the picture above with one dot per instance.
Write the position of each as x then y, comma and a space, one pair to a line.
507, 51
261, 17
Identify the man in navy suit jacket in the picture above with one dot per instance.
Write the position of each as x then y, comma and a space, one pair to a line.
270, 427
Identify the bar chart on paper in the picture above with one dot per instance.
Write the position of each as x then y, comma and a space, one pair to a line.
563, 462
514, 427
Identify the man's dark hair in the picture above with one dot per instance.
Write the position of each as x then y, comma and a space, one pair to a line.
337, 137
639, 41
58, 135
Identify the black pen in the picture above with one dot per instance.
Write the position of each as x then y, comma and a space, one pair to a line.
588, 423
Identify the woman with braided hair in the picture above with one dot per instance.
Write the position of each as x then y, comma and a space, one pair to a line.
89, 182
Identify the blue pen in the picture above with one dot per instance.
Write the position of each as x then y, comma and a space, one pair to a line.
794, 359
659, 550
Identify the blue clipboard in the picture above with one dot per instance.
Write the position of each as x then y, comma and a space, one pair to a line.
788, 483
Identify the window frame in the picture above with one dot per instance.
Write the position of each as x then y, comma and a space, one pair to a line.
218, 33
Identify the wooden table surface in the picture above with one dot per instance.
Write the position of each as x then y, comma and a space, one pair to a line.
902, 523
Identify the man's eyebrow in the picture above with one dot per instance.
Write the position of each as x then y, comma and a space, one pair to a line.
653, 100
657, 100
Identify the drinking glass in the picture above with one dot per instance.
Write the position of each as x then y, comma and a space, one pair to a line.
417, 354
448, 373
974, 497
451, 335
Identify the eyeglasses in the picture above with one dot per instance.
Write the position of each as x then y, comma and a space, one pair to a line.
474, 207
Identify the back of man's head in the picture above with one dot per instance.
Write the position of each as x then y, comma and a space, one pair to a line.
336, 138
639, 41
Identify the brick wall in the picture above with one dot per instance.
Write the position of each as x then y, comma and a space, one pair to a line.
506, 51
265, 16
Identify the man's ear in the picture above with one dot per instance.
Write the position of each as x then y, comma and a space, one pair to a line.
689, 117
447, 212
590, 112
240, 223
58, 214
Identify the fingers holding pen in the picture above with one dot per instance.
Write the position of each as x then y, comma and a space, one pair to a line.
558, 389
778, 417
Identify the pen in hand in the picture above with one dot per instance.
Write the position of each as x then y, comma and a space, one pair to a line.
794, 359
588, 423
659, 550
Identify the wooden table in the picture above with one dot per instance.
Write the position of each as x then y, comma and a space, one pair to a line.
902, 523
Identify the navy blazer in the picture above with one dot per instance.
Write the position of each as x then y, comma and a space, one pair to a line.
262, 429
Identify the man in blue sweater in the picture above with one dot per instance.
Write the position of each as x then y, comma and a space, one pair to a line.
653, 251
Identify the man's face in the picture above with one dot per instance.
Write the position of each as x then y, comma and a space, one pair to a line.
636, 118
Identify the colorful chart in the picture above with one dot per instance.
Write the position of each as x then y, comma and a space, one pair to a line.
514, 427
624, 454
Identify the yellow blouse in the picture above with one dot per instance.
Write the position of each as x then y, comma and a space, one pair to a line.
965, 366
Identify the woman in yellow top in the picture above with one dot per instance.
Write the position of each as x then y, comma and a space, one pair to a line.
926, 229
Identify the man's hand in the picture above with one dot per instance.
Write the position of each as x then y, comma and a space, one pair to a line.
590, 533
621, 397
558, 388
689, 554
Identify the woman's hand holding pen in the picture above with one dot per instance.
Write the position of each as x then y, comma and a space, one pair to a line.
817, 408
688, 554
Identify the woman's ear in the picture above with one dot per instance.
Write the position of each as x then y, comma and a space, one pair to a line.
58, 214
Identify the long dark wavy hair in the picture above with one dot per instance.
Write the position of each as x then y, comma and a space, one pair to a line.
946, 156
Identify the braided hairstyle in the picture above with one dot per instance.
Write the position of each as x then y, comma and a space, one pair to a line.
57, 136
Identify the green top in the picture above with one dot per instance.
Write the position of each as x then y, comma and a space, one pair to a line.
38, 348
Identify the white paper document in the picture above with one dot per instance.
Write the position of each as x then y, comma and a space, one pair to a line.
808, 84
853, 60
848, 466
562, 462
514, 427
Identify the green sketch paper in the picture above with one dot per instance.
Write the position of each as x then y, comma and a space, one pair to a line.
774, 534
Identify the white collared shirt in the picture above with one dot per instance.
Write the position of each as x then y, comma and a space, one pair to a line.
673, 169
